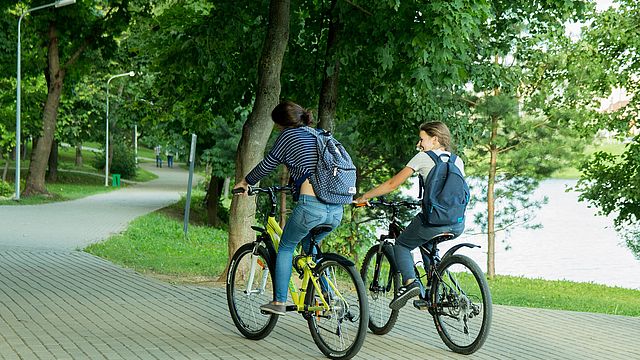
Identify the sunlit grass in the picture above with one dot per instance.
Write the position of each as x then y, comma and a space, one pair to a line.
156, 243
564, 295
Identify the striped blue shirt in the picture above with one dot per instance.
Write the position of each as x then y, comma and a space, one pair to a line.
295, 148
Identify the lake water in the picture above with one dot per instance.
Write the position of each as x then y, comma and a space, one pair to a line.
574, 244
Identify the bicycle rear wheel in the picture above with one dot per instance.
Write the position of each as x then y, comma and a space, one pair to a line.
340, 331
249, 285
381, 282
462, 304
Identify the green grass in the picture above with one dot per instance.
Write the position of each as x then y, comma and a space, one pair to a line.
69, 186
147, 153
143, 175
156, 243
564, 295
574, 173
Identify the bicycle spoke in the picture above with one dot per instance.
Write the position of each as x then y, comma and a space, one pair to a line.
381, 282
340, 329
249, 286
461, 299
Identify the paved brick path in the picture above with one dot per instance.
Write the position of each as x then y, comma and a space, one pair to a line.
56, 303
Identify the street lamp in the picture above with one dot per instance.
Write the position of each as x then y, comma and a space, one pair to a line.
57, 4
106, 153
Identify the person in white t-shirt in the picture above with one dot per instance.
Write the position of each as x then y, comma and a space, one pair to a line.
434, 136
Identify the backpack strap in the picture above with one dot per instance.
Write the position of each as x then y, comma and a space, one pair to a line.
433, 156
421, 181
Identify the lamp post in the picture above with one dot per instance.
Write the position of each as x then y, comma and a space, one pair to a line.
106, 153
57, 4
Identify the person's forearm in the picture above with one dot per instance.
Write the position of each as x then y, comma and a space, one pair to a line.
382, 189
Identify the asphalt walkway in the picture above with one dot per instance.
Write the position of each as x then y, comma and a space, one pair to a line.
58, 303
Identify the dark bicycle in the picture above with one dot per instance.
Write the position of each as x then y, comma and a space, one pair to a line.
453, 288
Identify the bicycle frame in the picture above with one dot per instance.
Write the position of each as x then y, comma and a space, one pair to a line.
427, 251
273, 232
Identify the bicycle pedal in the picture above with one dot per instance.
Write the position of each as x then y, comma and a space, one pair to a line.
421, 304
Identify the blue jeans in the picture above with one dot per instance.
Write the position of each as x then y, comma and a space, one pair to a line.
413, 236
309, 213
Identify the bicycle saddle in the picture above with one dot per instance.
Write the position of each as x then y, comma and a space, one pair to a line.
320, 229
442, 237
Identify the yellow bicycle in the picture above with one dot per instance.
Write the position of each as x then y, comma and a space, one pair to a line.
330, 294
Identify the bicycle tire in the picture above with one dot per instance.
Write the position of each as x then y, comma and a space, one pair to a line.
462, 309
339, 332
381, 317
245, 307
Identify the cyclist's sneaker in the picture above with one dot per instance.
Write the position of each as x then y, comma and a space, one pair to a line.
274, 309
404, 294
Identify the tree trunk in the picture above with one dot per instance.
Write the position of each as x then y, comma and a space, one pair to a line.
79, 154
213, 200
329, 89
55, 76
491, 232
7, 158
52, 175
258, 126
225, 187
113, 125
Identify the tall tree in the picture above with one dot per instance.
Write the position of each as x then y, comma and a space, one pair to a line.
258, 126
514, 76
67, 33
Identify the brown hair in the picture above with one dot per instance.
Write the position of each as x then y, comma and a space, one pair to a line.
289, 114
439, 130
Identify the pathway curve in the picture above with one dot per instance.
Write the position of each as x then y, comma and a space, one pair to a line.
71, 225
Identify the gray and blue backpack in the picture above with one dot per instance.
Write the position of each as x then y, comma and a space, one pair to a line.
334, 179
445, 193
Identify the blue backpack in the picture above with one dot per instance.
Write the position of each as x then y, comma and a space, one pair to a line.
334, 180
445, 193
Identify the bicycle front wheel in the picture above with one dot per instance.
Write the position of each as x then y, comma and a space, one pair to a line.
462, 304
249, 285
381, 283
339, 331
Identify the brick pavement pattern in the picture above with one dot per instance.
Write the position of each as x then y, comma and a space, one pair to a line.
57, 303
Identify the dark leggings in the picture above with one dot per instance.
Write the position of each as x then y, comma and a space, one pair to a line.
413, 236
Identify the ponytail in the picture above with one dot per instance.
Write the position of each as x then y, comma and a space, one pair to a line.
289, 114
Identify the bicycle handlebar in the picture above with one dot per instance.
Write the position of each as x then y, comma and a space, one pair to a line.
253, 190
392, 204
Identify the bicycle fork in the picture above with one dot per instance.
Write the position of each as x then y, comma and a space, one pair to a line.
255, 263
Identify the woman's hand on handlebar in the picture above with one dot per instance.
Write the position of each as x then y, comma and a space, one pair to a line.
241, 188
361, 201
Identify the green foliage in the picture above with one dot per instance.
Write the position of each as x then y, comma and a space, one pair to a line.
6, 189
610, 182
123, 161
352, 238
604, 185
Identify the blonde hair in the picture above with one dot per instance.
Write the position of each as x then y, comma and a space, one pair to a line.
440, 131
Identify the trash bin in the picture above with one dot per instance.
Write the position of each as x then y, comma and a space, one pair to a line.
115, 180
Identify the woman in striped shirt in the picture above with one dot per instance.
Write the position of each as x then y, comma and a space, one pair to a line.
296, 148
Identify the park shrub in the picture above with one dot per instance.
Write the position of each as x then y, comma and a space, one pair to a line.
6, 190
123, 162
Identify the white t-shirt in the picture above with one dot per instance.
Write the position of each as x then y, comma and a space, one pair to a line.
422, 163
